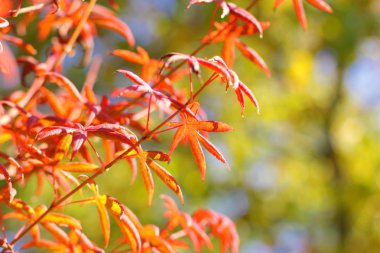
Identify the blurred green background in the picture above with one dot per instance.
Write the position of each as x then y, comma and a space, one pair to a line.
306, 171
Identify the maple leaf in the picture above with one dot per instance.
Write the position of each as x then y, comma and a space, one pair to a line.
147, 163
50, 222
224, 29
72, 11
162, 101
149, 66
103, 17
66, 83
125, 218
121, 215
150, 234
102, 212
252, 56
229, 34
239, 87
194, 64
193, 230
227, 75
300, 11
234, 10
221, 227
80, 134
188, 130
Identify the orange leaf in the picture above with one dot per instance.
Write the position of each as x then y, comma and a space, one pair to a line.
62, 220
166, 177
44, 244
108, 149
125, 224
53, 101
245, 16
77, 167
198, 154
169, 203
106, 18
146, 163
300, 12
250, 95
104, 221
62, 146
253, 56
147, 178
221, 226
89, 94
148, 231
218, 68
161, 245
100, 201
135, 78
228, 51
212, 149
58, 233
321, 5
211, 126
277, 3
158, 155
129, 56
188, 130
66, 83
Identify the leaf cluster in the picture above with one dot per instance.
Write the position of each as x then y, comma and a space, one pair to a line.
51, 127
